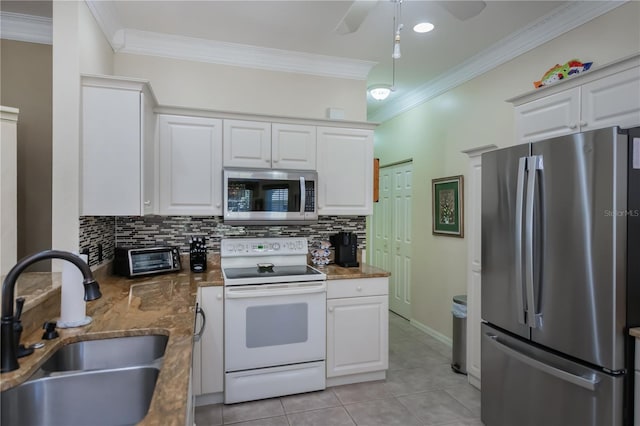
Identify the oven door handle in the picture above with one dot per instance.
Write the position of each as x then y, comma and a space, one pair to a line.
266, 290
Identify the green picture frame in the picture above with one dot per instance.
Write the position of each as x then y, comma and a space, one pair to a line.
448, 206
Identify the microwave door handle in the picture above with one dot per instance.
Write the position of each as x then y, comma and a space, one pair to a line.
303, 195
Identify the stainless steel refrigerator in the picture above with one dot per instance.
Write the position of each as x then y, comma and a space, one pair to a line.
560, 280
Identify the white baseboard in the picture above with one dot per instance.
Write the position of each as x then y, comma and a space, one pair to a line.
431, 332
473, 381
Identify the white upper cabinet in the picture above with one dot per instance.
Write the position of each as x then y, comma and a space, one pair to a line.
247, 144
604, 97
262, 145
551, 116
117, 147
293, 146
190, 165
612, 101
345, 171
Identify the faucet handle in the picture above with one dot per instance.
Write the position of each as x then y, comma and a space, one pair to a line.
19, 306
49, 330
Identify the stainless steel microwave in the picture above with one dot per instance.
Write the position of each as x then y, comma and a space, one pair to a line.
254, 196
133, 262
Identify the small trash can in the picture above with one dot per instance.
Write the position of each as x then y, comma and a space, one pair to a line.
459, 349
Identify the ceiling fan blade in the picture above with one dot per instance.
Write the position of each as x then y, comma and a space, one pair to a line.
355, 16
463, 10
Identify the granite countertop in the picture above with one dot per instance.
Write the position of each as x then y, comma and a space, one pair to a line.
161, 304
635, 332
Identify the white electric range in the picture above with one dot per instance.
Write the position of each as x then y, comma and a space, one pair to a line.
275, 318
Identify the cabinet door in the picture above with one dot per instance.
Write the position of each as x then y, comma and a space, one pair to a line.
548, 117
357, 335
111, 159
212, 367
293, 147
345, 171
196, 360
190, 166
247, 144
148, 137
612, 101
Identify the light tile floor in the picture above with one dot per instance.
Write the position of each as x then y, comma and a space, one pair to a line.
420, 389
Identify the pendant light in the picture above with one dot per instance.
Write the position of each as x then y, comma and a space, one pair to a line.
380, 92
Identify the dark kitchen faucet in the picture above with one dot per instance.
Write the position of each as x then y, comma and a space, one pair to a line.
9, 339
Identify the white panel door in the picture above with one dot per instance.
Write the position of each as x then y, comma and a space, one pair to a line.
345, 171
382, 223
293, 147
247, 144
190, 165
392, 234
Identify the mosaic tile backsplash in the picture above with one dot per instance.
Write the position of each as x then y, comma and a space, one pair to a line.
148, 231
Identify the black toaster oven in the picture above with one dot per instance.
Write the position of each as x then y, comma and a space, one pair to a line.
133, 262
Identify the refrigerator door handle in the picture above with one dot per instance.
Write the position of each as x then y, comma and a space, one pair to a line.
534, 163
522, 165
586, 383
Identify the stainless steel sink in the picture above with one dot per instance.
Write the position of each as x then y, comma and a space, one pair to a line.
94, 382
107, 353
103, 397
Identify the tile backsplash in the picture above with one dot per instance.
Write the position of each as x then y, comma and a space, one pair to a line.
147, 231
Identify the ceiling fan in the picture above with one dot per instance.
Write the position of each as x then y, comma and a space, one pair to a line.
360, 9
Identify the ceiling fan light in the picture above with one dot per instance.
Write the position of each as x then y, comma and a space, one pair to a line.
423, 27
380, 93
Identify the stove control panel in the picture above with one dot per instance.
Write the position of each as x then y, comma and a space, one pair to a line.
236, 247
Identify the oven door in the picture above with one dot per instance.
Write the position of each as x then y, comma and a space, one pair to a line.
274, 324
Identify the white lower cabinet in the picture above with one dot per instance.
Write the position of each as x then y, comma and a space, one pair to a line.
209, 351
190, 165
357, 329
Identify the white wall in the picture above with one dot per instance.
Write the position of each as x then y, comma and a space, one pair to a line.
228, 88
472, 115
77, 48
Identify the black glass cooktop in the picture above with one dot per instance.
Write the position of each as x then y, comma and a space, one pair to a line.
266, 271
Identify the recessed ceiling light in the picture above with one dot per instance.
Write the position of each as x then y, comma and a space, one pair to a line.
423, 27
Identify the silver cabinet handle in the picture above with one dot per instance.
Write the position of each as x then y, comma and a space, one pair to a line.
522, 164
198, 335
589, 384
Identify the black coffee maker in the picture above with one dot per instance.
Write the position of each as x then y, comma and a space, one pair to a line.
346, 248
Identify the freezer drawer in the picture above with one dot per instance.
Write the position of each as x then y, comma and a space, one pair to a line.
526, 386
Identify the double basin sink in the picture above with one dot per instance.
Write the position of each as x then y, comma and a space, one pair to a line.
93, 382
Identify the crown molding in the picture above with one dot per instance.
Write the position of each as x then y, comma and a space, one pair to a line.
548, 27
28, 28
106, 15
234, 54
126, 40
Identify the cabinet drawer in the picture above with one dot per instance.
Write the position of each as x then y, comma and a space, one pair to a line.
357, 287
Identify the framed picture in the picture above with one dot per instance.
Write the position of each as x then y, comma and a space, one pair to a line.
447, 206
